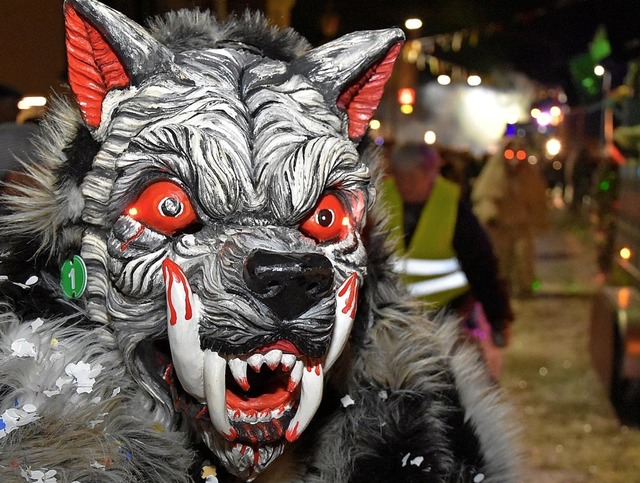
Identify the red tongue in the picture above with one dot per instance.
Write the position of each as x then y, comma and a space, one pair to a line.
272, 400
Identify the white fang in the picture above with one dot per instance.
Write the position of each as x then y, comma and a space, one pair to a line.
215, 390
310, 398
184, 340
343, 322
238, 369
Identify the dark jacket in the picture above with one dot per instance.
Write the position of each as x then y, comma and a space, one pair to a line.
479, 263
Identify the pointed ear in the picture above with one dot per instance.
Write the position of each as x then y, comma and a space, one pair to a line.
352, 72
105, 51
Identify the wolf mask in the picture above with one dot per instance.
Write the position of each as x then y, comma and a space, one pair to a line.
222, 294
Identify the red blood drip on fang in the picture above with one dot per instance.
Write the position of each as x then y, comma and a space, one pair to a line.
231, 435
173, 274
314, 365
137, 234
292, 433
351, 286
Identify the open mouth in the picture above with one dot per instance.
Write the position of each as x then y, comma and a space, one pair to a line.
263, 397
261, 403
255, 401
263, 393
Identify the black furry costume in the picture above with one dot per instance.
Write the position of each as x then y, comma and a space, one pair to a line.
215, 183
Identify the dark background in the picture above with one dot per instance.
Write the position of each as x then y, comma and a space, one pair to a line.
537, 37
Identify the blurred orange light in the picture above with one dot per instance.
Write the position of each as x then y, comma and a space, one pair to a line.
623, 297
521, 154
625, 253
508, 154
406, 95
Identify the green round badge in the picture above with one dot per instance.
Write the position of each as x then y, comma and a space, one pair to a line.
73, 277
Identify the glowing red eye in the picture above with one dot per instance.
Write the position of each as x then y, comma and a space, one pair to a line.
509, 154
328, 222
164, 207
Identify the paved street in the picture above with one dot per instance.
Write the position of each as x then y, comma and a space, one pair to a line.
569, 429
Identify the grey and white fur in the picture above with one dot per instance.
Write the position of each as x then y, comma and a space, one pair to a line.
260, 138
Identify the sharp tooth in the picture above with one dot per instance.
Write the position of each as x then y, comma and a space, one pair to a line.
295, 376
288, 360
346, 300
182, 329
242, 456
272, 358
214, 386
238, 369
250, 416
255, 361
264, 416
310, 397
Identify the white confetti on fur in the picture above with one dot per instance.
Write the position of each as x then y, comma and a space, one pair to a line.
417, 461
23, 348
36, 324
32, 280
84, 375
347, 401
93, 423
61, 381
405, 459
39, 476
13, 418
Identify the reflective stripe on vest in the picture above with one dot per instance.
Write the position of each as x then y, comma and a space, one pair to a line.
418, 266
445, 275
430, 268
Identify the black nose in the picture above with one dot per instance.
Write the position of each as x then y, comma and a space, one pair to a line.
289, 284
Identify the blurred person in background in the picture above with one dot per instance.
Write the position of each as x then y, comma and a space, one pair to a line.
15, 138
445, 256
509, 199
461, 166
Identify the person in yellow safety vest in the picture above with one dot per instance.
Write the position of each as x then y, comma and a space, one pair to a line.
444, 254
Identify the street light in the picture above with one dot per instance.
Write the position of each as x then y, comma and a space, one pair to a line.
413, 23
444, 80
32, 101
553, 146
474, 80
430, 137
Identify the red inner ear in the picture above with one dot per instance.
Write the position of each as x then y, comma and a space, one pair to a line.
361, 98
94, 67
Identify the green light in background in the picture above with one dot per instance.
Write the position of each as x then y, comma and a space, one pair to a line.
588, 83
